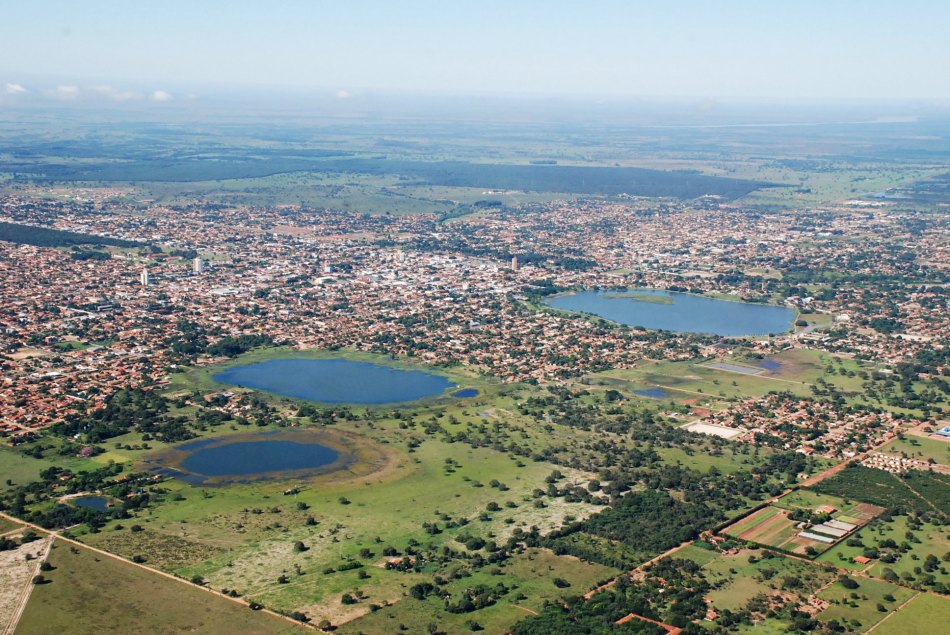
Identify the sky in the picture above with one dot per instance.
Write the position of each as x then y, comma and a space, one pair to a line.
784, 49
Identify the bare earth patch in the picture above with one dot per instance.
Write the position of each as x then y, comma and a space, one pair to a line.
16, 573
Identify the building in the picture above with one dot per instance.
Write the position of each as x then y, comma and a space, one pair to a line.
198, 265
514, 263
143, 277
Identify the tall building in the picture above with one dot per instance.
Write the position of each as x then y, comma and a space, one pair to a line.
514, 263
143, 277
198, 265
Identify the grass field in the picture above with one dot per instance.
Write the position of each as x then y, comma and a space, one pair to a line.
925, 615
859, 607
920, 448
736, 579
210, 531
532, 573
929, 540
90, 593
6, 526
699, 384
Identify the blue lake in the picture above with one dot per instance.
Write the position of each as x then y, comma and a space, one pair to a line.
466, 393
254, 457
336, 381
100, 503
685, 313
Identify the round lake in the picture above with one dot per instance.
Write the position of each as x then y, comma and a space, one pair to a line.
255, 456
336, 380
251, 458
678, 312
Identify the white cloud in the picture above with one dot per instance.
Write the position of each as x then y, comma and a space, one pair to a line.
114, 93
14, 89
161, 95
65, 92
343, 94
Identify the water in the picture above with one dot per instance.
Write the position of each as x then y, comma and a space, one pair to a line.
653, 393
99, 503
336, 381
770, 365
681, 313
466, 393
247, 457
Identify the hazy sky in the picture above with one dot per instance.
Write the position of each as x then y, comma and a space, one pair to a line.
746, 49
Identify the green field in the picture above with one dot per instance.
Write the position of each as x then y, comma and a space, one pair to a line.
925, 615
920, 448
736, 580
6, 526
859, 607
929, 540
91, 594
531, 573
218, 539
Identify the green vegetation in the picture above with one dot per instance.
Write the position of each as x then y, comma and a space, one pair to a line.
859, 603
88, 593
45, 237
919, 492
926, 614
920, 448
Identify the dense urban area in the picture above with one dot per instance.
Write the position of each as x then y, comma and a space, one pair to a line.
573, 472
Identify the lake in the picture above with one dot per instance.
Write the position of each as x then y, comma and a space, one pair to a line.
265, 455
247, 457
336, 380
678, 312
99, 503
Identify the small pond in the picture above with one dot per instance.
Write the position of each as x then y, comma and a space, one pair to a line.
99, 503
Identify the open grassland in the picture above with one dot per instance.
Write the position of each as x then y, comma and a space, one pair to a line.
89, 593
926, 614
739, 577
364, 193
861, 608
21, 469
242, 536
699, 384
920, 448
928, 540
529, 576
7, 526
